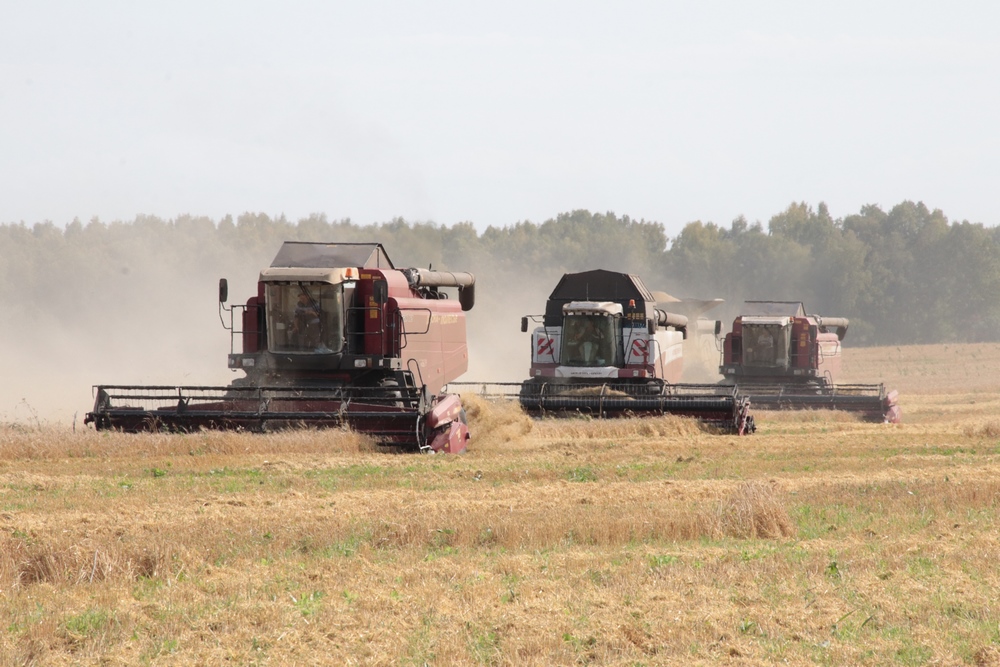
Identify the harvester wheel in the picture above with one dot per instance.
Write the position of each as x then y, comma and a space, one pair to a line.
391, 388
654, 388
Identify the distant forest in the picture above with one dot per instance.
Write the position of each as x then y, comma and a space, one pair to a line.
902, 276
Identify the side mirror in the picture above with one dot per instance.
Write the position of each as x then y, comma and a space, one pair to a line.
718, 327
524, 325
651, 327
380, 292
223, 290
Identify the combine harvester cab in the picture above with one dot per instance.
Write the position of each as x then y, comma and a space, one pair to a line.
785, 359
335, 335
605, 348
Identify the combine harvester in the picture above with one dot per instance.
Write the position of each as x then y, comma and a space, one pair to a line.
784, 359
606, 348
336, 335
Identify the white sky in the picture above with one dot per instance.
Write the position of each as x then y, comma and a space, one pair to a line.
498, 112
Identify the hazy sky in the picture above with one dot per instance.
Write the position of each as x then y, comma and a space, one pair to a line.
495, 113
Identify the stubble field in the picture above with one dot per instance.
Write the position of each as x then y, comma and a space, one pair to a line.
818, 540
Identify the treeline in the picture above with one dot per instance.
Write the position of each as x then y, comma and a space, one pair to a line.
903, 276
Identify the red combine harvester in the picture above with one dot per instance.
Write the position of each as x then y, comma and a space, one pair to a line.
336, 335
784, 359
606, 348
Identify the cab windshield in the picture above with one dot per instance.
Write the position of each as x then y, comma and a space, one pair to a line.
766, 345
589, 340
305, 317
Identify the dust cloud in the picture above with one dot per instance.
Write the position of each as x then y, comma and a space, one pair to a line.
701, 360
498, 350
137, 309
152, 322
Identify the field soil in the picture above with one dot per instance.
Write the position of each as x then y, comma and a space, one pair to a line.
818, 540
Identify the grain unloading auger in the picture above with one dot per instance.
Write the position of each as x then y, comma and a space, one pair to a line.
606, 348
336, 335
784, 359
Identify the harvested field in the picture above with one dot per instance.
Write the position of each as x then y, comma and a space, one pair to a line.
819, 540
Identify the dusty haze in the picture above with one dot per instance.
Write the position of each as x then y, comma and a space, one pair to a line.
151, 324
151, 316
137, 304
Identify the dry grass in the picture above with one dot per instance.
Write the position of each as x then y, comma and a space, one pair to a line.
754, 511
819, 540
989, 428
24, 442
920, 369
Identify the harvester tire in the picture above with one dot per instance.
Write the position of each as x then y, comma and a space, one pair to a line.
392, 390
